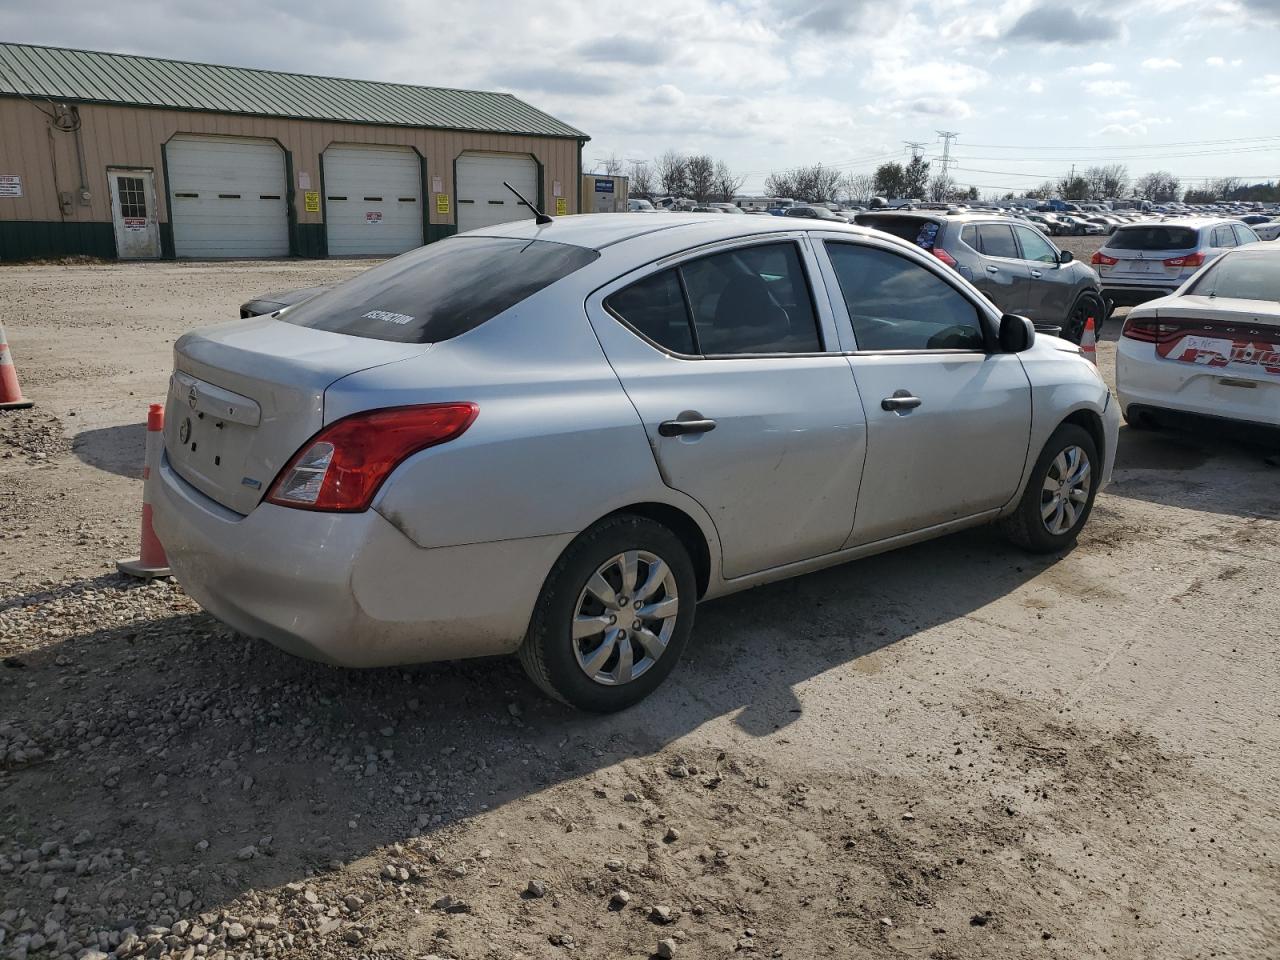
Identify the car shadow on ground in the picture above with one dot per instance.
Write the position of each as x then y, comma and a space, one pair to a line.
118, 450
177, 733
1187, 466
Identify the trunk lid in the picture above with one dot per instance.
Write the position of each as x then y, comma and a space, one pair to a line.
1230, 340
244, 397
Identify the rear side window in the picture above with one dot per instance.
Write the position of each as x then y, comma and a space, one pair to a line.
1153, 237
745, 301
997, 240
1223, 237
441, 290
895, 304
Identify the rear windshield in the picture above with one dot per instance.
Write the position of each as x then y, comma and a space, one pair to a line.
441, 290
918, 230
1157, 236
1242, 277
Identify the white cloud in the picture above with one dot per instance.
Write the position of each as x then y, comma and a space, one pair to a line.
1223, 62
1035, 85
1108, 88
1096, 69
1160, 63
1269, 84
904, 77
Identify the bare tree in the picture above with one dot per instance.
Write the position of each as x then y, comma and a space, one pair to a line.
725, 183
701, 171
673, 174
640, 181
780, 184
941, 188
1111, 180
857, 187
1160, 186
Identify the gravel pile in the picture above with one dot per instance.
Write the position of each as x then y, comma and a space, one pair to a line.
32, 435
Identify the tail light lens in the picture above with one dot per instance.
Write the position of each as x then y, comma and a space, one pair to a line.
1151, 330
945, 257
1190, 260
1102, 258
341, 467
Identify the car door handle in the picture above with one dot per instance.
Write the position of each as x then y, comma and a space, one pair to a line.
680, 428
1037, 274
901, 400
991, 268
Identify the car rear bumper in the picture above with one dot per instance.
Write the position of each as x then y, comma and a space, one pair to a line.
348, 588
1146, 382
1131, 294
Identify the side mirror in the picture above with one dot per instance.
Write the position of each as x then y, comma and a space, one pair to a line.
1065, 256
1016, 333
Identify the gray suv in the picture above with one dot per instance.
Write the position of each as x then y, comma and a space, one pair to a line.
1013, 263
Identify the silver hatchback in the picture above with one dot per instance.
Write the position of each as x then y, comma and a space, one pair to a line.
1143, 261
555, 440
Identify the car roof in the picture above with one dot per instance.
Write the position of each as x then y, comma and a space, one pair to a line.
595, 231
1195, 222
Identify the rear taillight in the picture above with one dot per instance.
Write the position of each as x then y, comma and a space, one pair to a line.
945, 257
342, 466
1102, 258
1190, 260
1151, 331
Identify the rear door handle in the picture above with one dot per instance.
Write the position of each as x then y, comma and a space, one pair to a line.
1037, 274
991, 268
680, 428
901, 400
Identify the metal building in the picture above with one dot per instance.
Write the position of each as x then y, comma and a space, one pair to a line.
114, 155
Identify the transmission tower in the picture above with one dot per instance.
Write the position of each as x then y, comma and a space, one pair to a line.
917, 148
946, 161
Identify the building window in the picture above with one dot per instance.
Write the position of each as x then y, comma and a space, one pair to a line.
132, 201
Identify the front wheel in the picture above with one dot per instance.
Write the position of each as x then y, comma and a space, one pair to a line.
1059, 494
614, 616
1087, 306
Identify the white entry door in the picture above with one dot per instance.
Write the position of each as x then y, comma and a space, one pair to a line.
483, 200
372, 200
133, 213
229, 197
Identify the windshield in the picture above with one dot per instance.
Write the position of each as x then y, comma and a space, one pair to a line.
1241, 277
1153, 237
441, 290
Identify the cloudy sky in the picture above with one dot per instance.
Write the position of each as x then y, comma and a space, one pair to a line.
1031, 86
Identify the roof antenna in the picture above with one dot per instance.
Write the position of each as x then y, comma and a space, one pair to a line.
539, 218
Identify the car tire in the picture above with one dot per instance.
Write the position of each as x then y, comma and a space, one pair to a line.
1038, 524
1138, 420
1085, 305
570, 669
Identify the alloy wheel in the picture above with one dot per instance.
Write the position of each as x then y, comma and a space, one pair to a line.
625, 617
1065, 490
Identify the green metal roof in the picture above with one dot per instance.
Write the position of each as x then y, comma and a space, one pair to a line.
91, 77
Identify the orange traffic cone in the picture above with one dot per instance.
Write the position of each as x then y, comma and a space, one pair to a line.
1089, 342
11, 397
151, 561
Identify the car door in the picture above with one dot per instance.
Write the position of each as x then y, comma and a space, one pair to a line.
999, 273
1050, 289
748, 403
948, 416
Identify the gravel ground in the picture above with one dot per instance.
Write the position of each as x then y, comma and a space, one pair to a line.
954, 751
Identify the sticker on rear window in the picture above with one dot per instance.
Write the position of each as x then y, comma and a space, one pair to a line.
398, 318
927, 235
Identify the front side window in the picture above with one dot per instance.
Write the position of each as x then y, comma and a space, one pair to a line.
1243, 234
1223, 237
896, 304
750, 300
441, 290
1035, 246
997, 240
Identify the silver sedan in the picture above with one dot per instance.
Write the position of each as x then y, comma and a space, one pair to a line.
556, 439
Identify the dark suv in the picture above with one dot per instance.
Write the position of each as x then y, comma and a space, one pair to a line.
1013, 263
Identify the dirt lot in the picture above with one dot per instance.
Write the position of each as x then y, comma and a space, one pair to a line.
955, 751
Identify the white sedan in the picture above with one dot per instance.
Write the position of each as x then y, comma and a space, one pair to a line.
1211, 349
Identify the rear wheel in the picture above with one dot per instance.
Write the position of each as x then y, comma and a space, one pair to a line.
1087, 306
1059, 494
614, 616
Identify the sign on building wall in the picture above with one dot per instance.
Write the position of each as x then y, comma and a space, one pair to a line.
557, 188
437, 186
10, 186
311, 201
304, 180
373, 218
604, 186
562, 207
442, 203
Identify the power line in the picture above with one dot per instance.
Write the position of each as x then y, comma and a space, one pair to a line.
1133, 146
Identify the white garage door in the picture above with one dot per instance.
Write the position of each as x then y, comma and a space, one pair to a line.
373, 200
228, 197
483, 200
